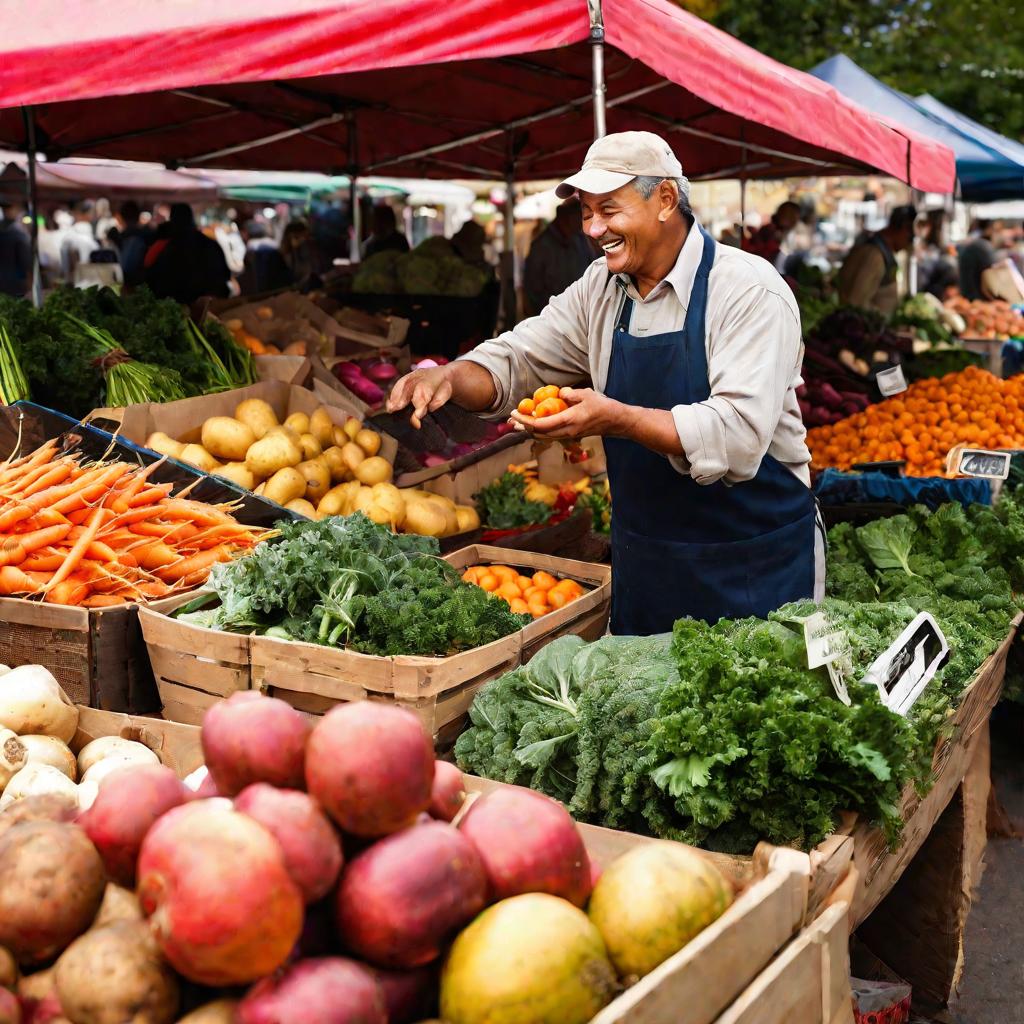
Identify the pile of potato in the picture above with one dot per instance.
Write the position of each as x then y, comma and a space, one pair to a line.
294, 463
405, 510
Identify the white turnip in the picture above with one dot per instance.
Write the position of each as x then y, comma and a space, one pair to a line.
31, 701
37, 780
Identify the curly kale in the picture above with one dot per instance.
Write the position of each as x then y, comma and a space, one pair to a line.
502, 504
350, 582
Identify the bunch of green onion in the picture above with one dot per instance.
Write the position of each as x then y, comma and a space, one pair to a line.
13, 385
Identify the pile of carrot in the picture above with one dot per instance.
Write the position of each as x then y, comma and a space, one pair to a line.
99, 534
923, 423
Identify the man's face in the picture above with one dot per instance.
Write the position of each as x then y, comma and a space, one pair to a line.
787, 218
624, 224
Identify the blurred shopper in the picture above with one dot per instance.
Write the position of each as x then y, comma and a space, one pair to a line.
298, 257
265, 270
386, 236
977, 255
15, 253
936, 262
559, 256
184, 264
767, 241
868, 276
133, 243
79, 241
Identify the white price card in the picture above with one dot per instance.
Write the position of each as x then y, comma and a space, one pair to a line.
979, 462
891, 381
903, 671
831, 648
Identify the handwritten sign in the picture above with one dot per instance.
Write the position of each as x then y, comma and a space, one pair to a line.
903, 671
978, 462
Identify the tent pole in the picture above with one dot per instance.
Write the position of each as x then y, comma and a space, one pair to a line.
743, 189
28, 117
356, 239
508, 255
597, 66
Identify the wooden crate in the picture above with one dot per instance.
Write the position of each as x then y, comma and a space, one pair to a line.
178, 746
98, 655
587, 616
809, 981
194, 667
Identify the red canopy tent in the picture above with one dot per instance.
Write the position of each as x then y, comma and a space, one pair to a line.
417, 87
69, 181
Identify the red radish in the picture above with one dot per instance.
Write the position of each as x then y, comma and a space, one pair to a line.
409, 996
224, 908
528, 843
448, 792
10, 1008
371, 767
251, 738
312, 849
402, 899
329, 990
129, 801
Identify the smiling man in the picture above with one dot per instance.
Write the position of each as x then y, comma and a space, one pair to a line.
684, 356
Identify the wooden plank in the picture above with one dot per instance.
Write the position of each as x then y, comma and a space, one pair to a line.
161, 630
178, 746
977, 786
707, 974
46, 616
182, 703
200, 674
805, 982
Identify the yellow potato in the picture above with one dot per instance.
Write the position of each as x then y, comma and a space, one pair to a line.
257, 415
467, 518
352, 427
321, 427
335, 463
368, 440
237, 473
303, 507
352, 455
340, 437
424, 517
338, 500
310, 446
197, 455
374, 470
299, 422
273, 453
165, 445
317, 477
227, 438
285, 485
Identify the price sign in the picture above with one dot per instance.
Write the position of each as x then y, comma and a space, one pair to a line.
831, 648
904, 670
891, 381
979, 462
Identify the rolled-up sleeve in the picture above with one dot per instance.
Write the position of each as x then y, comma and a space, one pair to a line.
753, 358
547, 349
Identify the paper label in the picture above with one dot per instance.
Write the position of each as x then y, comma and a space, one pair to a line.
980, 462
839, 671
831, 648
891, 381
903, 671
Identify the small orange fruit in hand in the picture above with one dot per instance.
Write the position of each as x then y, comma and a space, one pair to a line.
547, 391
526, 407
550, 407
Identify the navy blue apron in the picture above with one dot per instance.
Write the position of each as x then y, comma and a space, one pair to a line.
680, 548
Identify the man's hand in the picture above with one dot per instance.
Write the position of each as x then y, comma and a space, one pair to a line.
425, 390
589, 413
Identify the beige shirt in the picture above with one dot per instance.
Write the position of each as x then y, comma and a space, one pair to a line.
862, 281
754, 348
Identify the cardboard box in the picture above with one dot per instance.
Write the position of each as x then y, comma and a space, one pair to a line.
288, 369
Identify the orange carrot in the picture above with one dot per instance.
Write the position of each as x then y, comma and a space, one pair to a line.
16, 581
195, 564
17, 469
15, 549
67, 592
156, 555
77, 553
40, 562
44, 517
103, 601
93, 491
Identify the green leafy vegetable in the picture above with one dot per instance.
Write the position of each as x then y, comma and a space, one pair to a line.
502, 504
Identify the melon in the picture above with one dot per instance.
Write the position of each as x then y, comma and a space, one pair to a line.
530, 959
652, 901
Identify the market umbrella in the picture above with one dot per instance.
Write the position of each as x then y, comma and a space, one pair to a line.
482, 88
71, 181
985, 170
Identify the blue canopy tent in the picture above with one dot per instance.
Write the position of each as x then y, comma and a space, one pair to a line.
988, 166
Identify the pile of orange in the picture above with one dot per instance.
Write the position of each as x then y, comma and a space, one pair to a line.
545, 402
923, 423
534, 595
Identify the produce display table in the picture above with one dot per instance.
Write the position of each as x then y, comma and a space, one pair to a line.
910, 905
991, 349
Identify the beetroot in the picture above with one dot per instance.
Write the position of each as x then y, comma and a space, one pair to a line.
371, 767
448, 792
10, 1008
129, 801
409, 996
224, 908
400, 900
312, 849
331, 990
251, 738
528, 843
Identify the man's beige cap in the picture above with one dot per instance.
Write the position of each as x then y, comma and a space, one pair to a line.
617, 159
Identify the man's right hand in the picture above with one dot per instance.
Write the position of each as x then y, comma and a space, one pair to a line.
425, 390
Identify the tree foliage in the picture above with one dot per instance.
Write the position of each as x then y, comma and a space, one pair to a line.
967, 53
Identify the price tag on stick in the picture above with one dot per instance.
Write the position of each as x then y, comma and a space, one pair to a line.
891, 382
904, 670
979, 462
